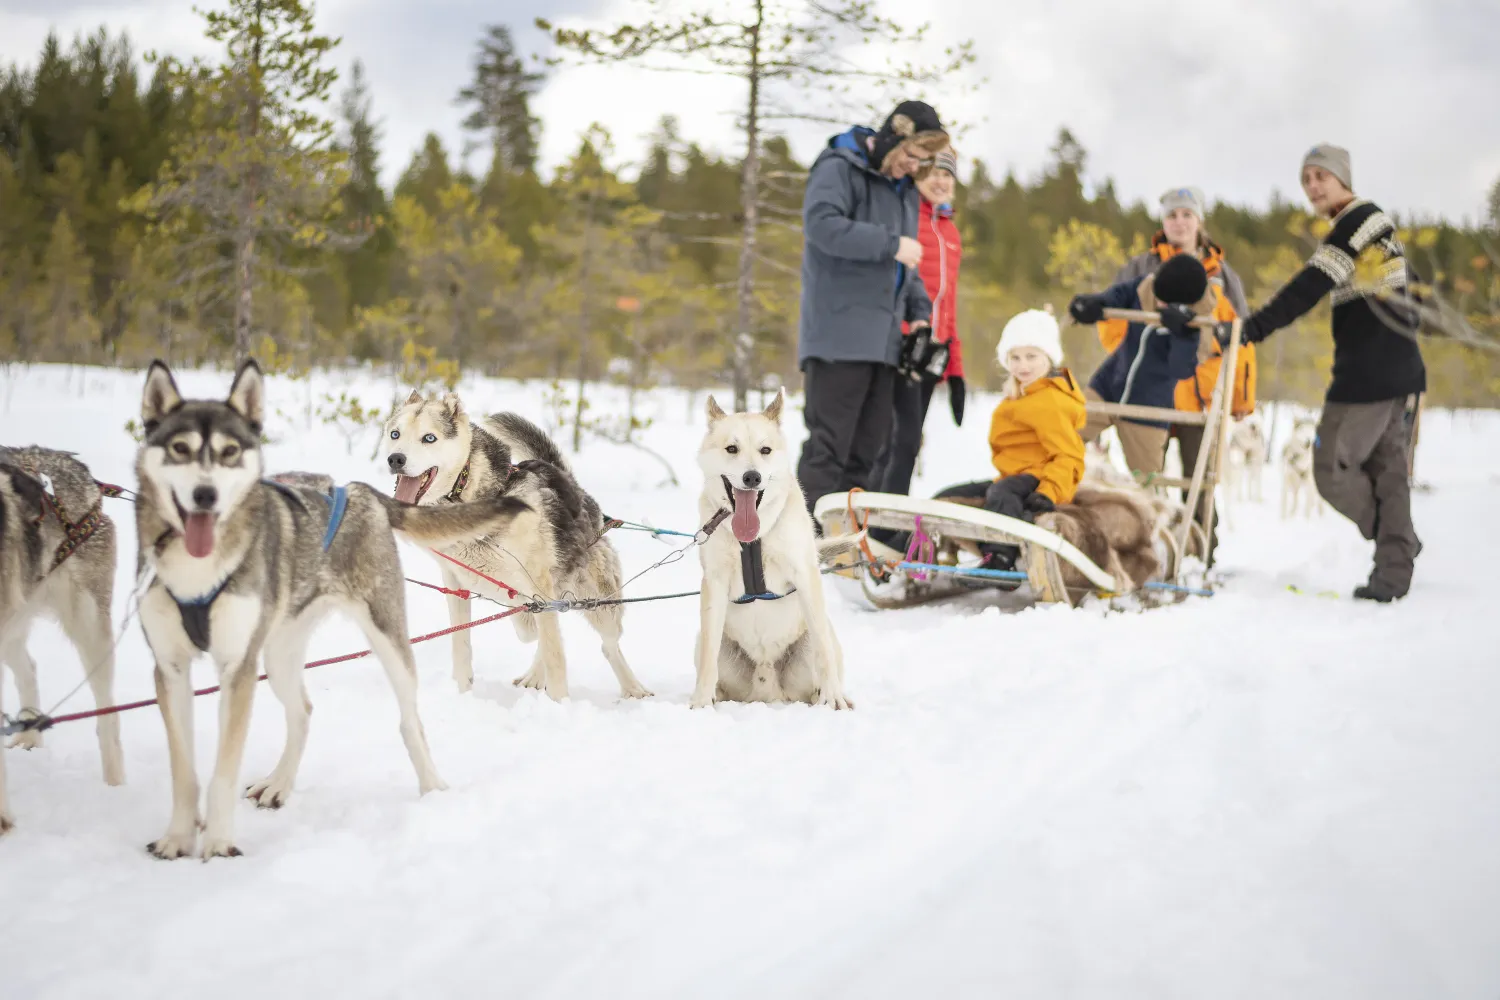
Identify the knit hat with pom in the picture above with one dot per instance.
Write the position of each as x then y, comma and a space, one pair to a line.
1032, 328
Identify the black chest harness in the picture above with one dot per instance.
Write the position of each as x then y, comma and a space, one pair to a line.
194, 612
752, 565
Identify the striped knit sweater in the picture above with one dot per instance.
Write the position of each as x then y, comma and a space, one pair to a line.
1375, 352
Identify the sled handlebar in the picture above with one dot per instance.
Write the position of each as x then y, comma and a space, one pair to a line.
1149, 316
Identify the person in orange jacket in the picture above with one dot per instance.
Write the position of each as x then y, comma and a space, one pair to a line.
1034, 433
1182, 214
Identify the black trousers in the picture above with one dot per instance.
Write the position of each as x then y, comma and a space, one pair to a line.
893, 469
848, 416
1001, 496
1189, 443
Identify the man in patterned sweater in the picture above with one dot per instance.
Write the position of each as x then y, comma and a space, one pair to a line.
1359, 460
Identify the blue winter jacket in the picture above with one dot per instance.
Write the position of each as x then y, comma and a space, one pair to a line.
1147, 365
855, 294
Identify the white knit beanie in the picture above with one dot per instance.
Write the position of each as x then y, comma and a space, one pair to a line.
1032, 328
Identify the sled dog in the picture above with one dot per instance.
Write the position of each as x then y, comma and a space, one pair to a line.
1246, 460
764, 633
1298, 490
244, 567
57, 558
440, 456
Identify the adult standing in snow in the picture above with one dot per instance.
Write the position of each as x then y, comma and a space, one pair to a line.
942, 251
1359, 458
1183, 211
859, 283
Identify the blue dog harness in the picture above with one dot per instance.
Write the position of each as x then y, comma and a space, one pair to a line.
194, 612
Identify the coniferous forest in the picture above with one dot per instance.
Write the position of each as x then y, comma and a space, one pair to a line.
210, 210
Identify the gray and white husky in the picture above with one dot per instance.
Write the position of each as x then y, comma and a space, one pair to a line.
244, 568
44, 572
440, 456
763, 632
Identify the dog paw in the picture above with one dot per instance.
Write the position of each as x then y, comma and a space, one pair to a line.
270, 792
532, 679
173, 846
701, 701
31, 739
636, 692
219, 847
432, 784
835, 700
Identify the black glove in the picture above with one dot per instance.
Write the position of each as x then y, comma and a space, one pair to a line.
1176, 318
1087, 308
1039, 503
956, 398
1252, 332
1248, 334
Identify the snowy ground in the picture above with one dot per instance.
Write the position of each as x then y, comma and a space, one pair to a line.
1255, 795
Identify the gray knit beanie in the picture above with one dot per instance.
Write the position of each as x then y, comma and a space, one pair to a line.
1334, 159
1189, 198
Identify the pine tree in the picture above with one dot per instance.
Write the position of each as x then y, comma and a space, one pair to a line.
367, 269
427, 176
500, 98
63, 295
257, 170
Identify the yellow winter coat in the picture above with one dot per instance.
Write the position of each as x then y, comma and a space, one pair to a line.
1037, 435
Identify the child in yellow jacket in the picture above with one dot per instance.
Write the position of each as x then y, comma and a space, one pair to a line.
1034, 433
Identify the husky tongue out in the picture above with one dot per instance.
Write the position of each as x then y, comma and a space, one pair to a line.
409, 489
746, 520
198, 534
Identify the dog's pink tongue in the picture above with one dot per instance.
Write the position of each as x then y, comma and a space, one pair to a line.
746, 520
198, 534
407, 487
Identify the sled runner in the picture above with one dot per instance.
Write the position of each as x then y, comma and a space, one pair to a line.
946, 534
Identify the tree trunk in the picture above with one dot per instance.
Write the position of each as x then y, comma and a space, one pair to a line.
244, 263
744, 337
243, 303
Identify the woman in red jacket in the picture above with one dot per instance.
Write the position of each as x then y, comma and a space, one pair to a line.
941, 251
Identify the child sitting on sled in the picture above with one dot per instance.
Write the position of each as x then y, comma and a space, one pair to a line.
1034, 432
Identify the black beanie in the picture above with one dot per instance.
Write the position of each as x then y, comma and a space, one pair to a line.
912, 120
1181, 280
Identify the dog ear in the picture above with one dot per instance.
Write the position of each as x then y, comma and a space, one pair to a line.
160, 396
774, 410
247, 395
453, 405
415, 397
715, 414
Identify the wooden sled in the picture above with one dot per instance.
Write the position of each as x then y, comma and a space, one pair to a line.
887, 581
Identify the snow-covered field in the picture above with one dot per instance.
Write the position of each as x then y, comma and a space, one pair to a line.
1256, 795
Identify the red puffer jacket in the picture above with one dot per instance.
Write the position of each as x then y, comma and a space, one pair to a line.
942, 250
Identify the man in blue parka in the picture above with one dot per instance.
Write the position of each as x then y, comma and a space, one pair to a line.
859, 284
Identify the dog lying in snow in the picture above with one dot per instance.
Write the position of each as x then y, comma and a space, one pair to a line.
751, 648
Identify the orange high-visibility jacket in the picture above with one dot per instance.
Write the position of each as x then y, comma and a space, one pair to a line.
1037, 435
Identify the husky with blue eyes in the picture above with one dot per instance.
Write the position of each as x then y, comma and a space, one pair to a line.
443, 458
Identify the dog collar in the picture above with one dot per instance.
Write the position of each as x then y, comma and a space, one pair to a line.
456, 494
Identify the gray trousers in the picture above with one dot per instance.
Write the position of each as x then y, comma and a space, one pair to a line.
1359, 465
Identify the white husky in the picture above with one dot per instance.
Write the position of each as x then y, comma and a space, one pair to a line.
764, 633
1298, 490
1246, 461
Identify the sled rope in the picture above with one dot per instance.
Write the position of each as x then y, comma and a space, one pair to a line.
40, 721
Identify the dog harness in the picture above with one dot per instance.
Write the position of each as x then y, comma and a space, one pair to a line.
194, 612
75, 533
457, 493
752, 566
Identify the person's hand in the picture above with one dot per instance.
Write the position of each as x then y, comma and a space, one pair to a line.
1087, 308
956, 392
1039, 503
1176, 319
1224, 332
909, 252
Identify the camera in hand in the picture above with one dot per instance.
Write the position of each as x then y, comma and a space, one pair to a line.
922, 356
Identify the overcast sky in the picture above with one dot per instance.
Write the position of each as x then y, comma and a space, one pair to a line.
1225, 94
